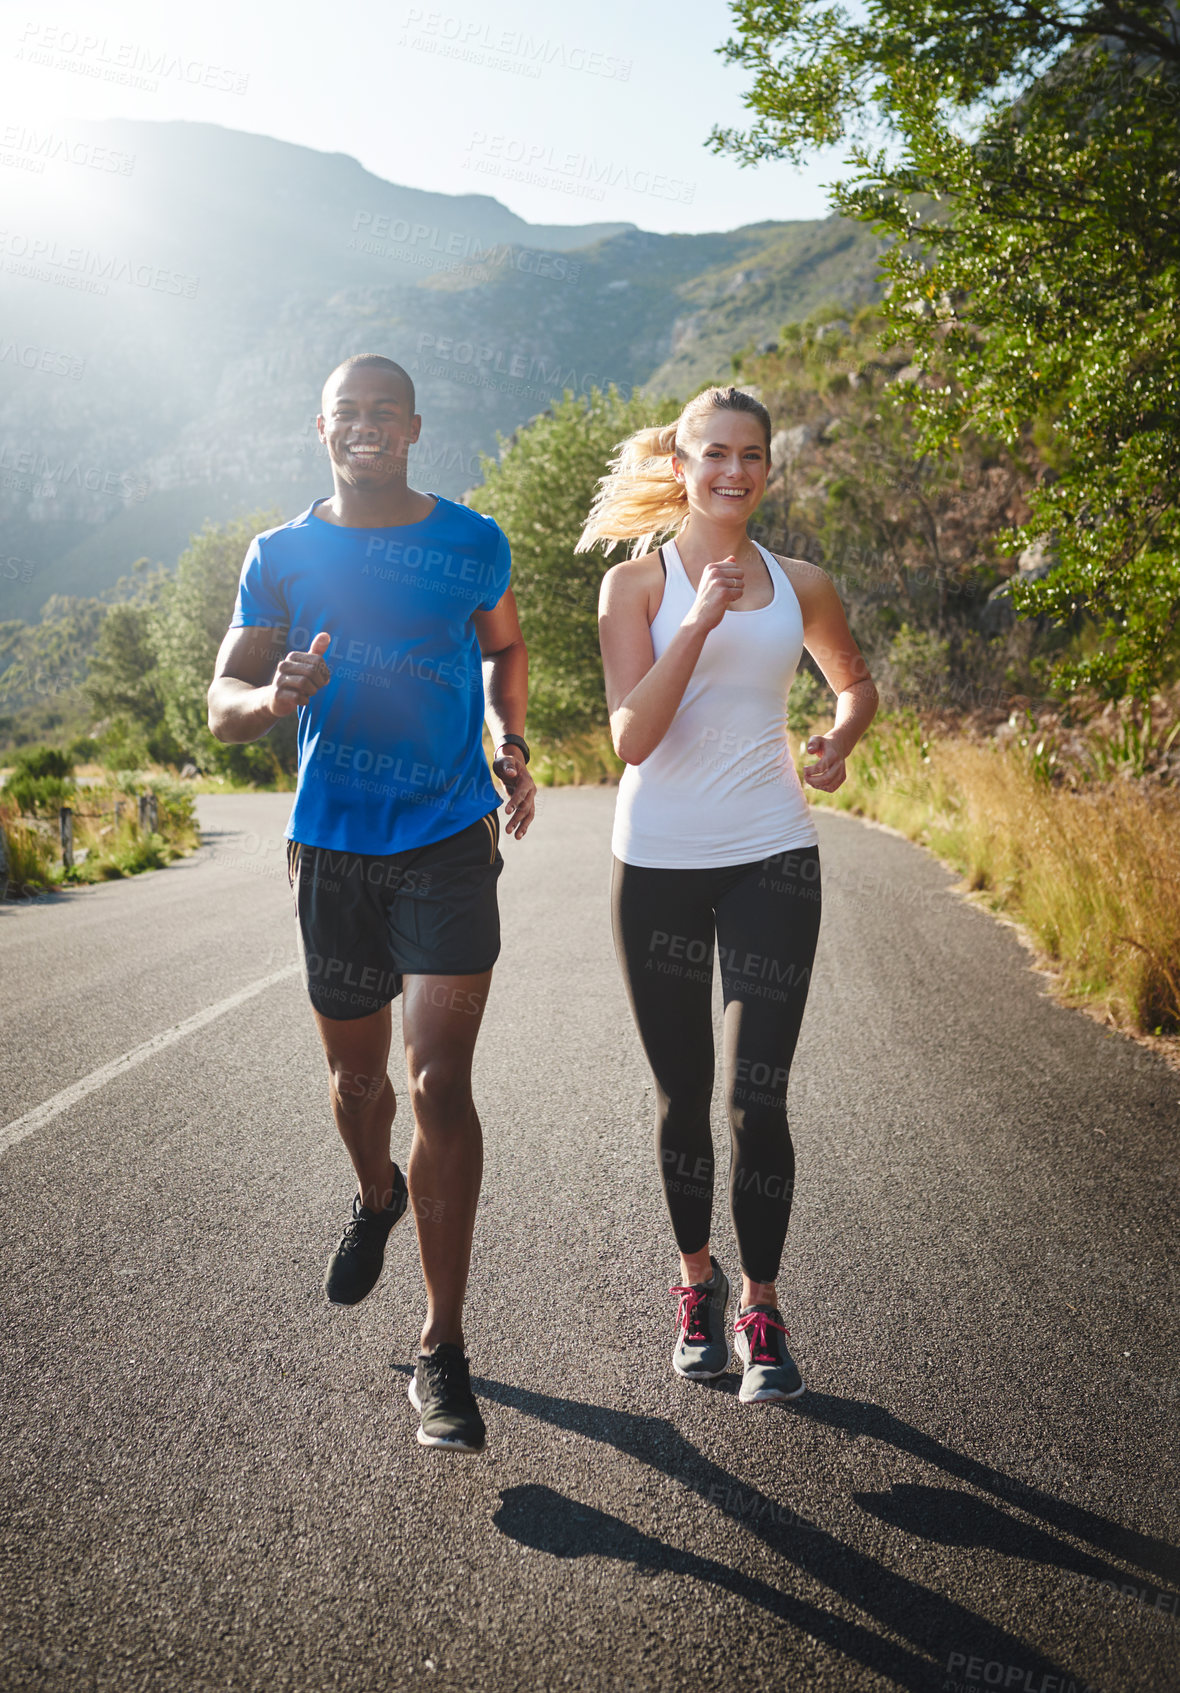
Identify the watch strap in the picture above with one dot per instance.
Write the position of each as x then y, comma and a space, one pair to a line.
516, 741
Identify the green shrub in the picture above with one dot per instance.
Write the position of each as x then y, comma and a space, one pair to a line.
919, 666
36, 796
806, 703
44, 761
539, 491
123, 747
146, 852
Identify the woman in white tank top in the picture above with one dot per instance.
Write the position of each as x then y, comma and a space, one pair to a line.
715, 848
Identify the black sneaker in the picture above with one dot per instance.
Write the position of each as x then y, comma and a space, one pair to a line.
440, 1391
355, 1265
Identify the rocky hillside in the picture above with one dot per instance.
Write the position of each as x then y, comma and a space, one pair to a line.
173, 295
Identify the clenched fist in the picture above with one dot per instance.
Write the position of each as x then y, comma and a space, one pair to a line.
298, 677
721, 585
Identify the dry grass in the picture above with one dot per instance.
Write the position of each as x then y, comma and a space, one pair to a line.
1093, 876
32, 852
102, 851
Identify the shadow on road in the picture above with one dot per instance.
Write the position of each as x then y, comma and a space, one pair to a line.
934, 1625
952, 1518
549, 1522
861, 1417
58, 895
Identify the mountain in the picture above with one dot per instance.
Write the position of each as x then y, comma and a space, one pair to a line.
173, 295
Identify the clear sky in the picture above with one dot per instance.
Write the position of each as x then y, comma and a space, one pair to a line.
566, 114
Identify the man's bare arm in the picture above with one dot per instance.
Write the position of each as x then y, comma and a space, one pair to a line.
506, 686
505, 668
254, 684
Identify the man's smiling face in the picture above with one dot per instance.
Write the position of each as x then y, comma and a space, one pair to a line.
367, 426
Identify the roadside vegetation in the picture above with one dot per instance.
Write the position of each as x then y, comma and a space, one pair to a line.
1074, 835
130, 673
1012, 450
108, 841
539, 489
986, 461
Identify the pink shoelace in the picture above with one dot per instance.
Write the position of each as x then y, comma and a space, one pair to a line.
690, 1318
758, 1325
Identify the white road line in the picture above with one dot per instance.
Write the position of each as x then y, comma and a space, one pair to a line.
42, 1114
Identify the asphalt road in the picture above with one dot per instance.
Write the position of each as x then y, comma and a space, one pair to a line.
210, 1478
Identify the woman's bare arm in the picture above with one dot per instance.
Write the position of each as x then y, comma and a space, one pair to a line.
828, 639
643, 693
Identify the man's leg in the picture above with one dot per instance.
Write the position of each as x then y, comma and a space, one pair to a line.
441, 1016
363, 1102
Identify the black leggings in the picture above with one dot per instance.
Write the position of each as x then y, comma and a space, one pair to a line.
766, 919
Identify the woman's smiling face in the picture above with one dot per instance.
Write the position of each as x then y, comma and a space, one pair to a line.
725, 465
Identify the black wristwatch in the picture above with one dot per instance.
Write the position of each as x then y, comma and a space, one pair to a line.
516, 741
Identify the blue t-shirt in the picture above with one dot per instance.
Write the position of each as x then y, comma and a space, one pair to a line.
390, 749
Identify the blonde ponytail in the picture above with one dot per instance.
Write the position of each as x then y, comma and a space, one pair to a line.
639, 499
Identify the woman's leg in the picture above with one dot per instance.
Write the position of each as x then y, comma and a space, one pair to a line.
767, 930
663, 928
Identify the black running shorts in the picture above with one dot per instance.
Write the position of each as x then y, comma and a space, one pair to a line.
365, 922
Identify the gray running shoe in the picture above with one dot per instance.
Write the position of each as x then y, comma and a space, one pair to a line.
702, 1348
768, 1370
440, 1391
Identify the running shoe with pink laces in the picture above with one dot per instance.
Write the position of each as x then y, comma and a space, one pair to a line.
768, 1370
702, 1348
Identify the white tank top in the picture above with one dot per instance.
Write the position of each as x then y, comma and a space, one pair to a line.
721, 787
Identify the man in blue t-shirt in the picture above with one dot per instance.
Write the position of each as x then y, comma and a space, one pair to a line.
397, 610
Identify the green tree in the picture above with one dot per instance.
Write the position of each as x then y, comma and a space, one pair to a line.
154, 661
539, 491
48, 660
189, 626
1026, 161
125, 686
894, 525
